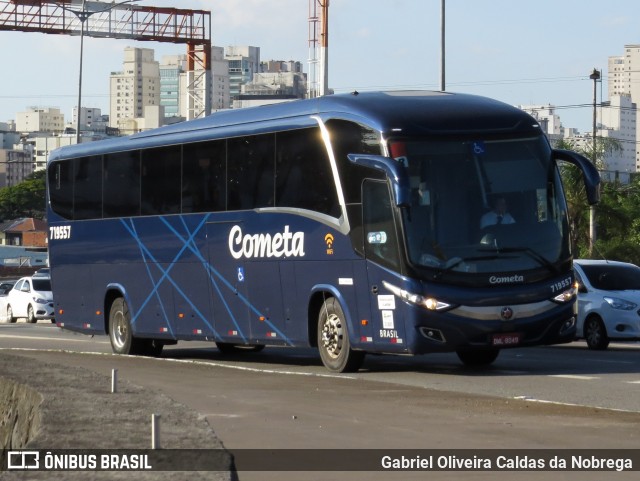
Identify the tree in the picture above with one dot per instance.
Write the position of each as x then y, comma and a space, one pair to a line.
26, 199
576, 199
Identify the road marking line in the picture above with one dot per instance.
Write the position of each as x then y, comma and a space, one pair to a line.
9, 336
558, 403
187, 361
575, 376
633, 382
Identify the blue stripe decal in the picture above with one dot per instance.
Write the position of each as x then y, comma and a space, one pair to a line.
214, 271
215, 277
165, 275
146, 264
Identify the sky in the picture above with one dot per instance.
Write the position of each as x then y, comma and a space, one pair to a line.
520, 52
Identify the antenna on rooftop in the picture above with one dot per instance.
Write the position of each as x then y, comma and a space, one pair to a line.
318, 48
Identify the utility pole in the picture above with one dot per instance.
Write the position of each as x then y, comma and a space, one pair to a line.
324, 48
82, 16
595, 76
442, 39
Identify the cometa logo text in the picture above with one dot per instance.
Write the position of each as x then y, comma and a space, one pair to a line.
506, 279
252, 246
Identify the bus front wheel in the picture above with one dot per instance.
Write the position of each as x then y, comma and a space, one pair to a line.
333, 339
120, 332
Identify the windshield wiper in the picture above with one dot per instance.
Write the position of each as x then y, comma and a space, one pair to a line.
456, 261
531, 253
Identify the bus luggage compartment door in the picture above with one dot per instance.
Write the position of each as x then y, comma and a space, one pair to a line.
229, 292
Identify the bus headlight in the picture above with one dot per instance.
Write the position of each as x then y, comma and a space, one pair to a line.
566, 296
430, 303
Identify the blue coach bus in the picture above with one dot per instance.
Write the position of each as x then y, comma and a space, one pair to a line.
353, 223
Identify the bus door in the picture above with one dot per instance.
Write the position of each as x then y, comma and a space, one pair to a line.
382, 253
228, 286
264, 279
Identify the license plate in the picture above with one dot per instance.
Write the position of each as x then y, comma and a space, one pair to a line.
510, 339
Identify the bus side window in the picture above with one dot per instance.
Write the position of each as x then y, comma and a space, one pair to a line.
121, 184
160, 188
61, 188
381, 242
251, 172
87, 188
304, 178
204, 180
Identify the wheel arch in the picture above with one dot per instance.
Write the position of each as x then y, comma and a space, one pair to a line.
112, 293
592, 315
319, 294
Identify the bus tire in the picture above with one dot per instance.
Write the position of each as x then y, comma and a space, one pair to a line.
120, 332
333, 339
477, 357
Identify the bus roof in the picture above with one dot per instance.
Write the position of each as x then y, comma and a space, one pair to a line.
391, 113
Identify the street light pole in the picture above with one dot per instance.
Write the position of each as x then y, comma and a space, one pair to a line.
595, 76
442, 50
82, 16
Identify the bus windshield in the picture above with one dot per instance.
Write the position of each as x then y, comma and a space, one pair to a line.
480, 206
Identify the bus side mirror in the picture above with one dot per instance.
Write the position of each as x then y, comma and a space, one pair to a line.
394, 170
589, 172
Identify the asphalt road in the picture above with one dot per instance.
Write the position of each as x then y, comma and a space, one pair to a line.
556, 397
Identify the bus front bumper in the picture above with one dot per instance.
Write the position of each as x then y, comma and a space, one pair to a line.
545, 323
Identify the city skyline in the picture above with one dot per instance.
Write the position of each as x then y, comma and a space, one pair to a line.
520, 53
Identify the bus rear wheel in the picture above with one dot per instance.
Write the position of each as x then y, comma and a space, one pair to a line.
478, 357
333, 339
120, 332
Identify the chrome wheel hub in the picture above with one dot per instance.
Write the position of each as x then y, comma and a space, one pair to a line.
332, 333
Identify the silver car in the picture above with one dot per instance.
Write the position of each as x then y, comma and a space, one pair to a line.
30, 298
608, 301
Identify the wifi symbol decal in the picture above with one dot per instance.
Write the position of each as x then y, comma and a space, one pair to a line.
329, 241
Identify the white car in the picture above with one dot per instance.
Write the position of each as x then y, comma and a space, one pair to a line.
608, 301
30, 298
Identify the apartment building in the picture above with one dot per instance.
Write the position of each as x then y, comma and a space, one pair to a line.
221, 87
137, 86
40, 119
171, 68
624, 80
244, 62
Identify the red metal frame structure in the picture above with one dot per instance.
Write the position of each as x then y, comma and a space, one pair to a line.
132, 21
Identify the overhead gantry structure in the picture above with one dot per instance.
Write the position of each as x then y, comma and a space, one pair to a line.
124, 19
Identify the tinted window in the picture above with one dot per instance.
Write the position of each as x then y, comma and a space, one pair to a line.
303, 173
613, 277
121, 182
204, 177
251, 172
351, 138
87, 190
61, 188
41, 284
380, 239
160, 181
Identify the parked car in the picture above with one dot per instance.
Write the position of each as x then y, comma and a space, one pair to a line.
6, 285
608, 302
30, 298
43, 272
